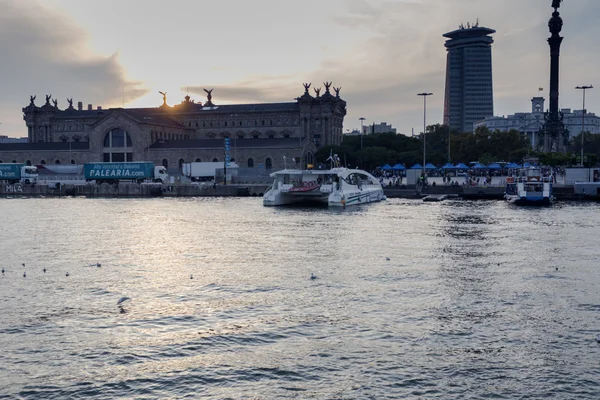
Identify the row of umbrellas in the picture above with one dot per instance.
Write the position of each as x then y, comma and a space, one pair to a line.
400, 167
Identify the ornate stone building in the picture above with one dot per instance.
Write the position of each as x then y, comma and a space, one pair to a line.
260, 134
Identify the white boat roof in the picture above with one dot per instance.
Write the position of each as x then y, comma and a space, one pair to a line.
334, 171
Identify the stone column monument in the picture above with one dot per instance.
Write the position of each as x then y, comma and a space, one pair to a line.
555, 136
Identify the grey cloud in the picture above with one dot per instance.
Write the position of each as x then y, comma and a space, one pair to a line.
44, 53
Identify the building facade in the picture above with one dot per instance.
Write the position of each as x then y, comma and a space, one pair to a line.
261, 134
469, 95
531, 123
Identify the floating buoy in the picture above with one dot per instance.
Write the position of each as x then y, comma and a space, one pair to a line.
67, 274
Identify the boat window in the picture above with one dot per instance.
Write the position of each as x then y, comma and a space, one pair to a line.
364, 179
534, 187
351, 179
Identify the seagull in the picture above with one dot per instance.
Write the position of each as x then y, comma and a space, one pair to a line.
123, 299
313, 276
67, 274
557, 268
98, 265
387, 259
24, 275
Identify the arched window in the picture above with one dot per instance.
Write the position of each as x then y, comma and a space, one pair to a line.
165, 163
43, 162
268, 163
14, 161
181, 163
73, 162
57, 162
232, 160
117, 146
1, 161
28, 163
215, 160
250, 163
198, 160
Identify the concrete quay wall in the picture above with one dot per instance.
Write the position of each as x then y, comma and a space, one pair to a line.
131, 190
561, 192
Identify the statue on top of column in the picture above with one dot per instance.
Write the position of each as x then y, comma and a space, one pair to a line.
556, 4
306, 87
48, 97
32, 99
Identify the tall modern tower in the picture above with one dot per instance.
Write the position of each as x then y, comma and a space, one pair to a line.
469, 93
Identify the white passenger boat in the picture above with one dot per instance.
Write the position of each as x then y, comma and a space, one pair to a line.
336, 187
529, 187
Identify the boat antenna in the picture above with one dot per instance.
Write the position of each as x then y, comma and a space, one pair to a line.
345, 163
330, 158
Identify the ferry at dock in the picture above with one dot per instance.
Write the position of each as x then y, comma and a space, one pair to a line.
529, 186
335, 187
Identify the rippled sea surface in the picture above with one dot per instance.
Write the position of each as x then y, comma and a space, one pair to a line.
477, 300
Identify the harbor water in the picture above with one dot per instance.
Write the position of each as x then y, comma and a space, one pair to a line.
450, 300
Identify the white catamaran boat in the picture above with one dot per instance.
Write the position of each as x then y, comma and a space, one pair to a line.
529, 187
336, 187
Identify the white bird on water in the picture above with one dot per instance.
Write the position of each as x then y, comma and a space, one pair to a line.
120, 304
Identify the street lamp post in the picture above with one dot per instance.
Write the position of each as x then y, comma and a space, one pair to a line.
362, 119
424, 124
584, 88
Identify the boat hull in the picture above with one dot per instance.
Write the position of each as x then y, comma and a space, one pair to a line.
525, 201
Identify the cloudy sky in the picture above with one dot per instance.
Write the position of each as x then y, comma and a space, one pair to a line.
381, 52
